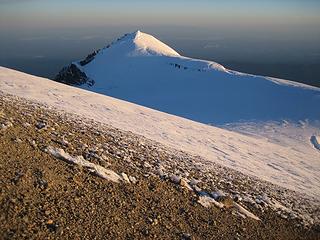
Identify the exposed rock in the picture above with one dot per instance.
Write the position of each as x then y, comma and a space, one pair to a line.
89, 58
33, 143
64, 142
41, 125
146, 165
125, 177
186, 236
185, 184
6, 125
237, 198
245, 212
132, 179
218, 194
79, 160
26, 124
207, 201
194, 182
18, 140
72, 75
175, 179
52, 226
197, 189
227, 201
315, 140
66, 203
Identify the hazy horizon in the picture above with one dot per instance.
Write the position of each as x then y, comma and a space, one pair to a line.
40, 37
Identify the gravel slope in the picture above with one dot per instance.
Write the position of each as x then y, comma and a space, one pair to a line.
42, 197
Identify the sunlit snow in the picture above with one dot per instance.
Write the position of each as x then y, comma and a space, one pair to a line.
279, 162
141, 69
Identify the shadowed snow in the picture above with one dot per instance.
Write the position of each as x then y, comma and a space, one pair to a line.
280, 163
141, 69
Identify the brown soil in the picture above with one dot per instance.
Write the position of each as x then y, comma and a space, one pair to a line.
45, 198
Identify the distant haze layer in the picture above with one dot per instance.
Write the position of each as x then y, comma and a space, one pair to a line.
277, 38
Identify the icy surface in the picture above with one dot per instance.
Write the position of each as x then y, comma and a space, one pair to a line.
145, 44
79, 160
207, 201
283, 160
141, 69
245, 212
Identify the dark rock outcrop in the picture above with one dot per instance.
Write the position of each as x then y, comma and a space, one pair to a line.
89, 58
72, 75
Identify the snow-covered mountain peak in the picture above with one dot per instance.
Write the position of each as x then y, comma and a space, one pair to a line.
153, 45
135, 34
141, 69
139, 43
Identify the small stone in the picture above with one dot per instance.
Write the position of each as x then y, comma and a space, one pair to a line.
146, 165
196, 188
160, 172
186, 236
33, 143
145, 232
175, 179
237, 198
17, 177
127, 158
64, 142
248, 199
52, 226
50, 221
194, 182
150, 220
216, 195
125, 177
40, 125
18, 140
185, 184
207, 201
133, 179
227, 201
6, 125
26, 124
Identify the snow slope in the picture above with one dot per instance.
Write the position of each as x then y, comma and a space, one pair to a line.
143, 70
278, 162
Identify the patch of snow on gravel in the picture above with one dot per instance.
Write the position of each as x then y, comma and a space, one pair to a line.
79, 160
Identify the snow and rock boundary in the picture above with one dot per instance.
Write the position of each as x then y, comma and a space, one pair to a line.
252, 156
188, 171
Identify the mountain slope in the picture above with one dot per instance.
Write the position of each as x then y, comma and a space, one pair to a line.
143, 70
45, 197
281, 164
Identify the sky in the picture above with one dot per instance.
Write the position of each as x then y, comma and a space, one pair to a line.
234, 30
37, 14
